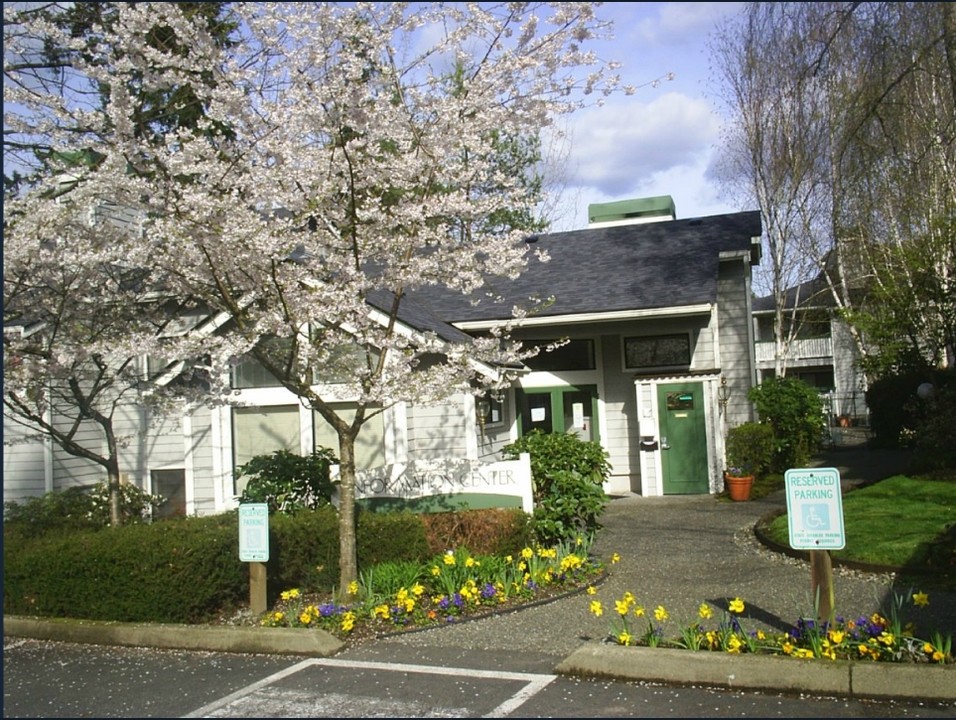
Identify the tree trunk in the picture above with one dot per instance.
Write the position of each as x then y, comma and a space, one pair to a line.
348, 554
113, 477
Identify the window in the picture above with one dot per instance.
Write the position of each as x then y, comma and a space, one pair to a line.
258, 431
171, 484
573, 355
369, 445
248, 373
657, 351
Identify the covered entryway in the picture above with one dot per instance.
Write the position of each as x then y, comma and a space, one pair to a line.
683, 438
559, 409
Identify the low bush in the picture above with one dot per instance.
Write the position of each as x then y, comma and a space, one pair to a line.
183, 570
288, 482
795, 412
568, 475
77, 508
187, 570
750, 449
495, 531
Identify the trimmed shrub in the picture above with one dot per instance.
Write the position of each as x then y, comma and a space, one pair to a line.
493, 531
77, 508
795, 412
183, 571
750, 449
288, 482
187, 570
568, 476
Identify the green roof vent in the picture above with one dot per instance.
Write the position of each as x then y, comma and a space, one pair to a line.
630, 212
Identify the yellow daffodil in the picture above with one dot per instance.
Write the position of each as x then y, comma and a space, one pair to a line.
591, 590
736, 605
660, 614
449, 558
353, 587
289, 594
704, 612
596, 608
921, 599
615, 558
624, 637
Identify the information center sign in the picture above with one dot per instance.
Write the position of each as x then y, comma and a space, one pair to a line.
254, 532
815, 509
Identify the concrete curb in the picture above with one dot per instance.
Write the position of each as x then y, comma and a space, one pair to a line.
282, 641
599, 660
755, 672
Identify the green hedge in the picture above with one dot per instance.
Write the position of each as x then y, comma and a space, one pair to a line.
187, 570
174, 571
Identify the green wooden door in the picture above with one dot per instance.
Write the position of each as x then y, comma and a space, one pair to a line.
683, 438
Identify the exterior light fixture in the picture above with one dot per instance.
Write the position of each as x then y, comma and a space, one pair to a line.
723, 392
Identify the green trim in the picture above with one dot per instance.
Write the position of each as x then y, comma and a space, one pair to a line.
440, 503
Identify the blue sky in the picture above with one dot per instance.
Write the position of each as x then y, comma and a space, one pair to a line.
662, 140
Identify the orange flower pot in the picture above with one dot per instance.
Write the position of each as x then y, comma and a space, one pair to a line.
739, 487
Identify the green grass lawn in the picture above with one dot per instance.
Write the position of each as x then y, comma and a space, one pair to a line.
902, 521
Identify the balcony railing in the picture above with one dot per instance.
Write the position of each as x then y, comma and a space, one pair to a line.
820, 348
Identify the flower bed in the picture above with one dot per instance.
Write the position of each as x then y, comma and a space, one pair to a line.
455, 587
873, 637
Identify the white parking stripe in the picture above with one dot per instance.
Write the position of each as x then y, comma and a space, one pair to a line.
533, 683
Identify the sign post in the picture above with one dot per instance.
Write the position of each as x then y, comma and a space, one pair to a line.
815, 518
254, 549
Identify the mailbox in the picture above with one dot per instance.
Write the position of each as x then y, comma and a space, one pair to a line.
648, 443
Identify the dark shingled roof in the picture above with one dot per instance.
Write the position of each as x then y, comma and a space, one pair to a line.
619, 268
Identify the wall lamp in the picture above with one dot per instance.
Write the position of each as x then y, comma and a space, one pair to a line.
723, 392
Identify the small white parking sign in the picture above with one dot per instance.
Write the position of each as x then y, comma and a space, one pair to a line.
815, 509
254, 532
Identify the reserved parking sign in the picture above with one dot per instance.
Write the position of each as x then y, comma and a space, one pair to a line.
815, 509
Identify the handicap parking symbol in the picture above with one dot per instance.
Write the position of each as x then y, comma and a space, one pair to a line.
816, 516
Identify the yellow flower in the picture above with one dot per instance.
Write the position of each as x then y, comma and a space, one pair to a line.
836, 636
615, 558
353, 587
928, 648
622, 607
921, 599
592, 590
348, 621
660, 614
381, 611
418, 590
436, 571
579, 540
704, 611
471, 562
639, 611
734, 644
938, 656
886, 638
449, 558
624, 638
289, 594
305, 618
527, 553
736, 605
596, 608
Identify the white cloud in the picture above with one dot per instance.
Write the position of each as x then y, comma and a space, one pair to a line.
617, 147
